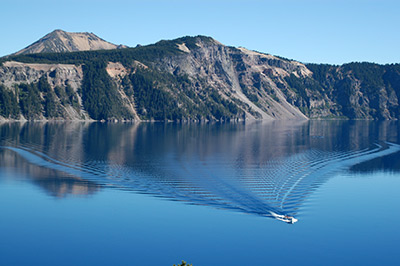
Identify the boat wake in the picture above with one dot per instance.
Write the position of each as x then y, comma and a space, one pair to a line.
275, 188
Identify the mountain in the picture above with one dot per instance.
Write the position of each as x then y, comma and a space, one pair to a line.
192, 79
61, 41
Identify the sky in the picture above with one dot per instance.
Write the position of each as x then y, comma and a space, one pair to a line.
310, 31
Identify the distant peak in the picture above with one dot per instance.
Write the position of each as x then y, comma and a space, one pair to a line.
196, 41
56, 32
59, 41
200, 38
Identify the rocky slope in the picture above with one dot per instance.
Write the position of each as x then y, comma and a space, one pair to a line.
237, 74
63, 82
192, 78
62, 41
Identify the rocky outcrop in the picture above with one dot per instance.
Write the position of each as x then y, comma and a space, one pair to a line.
58, 76
12, 73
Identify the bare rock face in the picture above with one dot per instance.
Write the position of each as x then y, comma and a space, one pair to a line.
238, 74
12, 73
60, 41
58, 77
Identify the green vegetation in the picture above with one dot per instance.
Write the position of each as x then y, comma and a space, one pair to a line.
183, 263
126, 56
50, 110
359, 90
152, 102
8, 104
252, 96
30, 101
99, 95
162, 96
49, 103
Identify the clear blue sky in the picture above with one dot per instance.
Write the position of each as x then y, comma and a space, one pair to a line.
320, 31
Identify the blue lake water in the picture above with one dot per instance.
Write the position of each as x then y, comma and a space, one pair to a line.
209, 194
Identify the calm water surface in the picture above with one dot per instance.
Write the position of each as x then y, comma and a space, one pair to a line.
212, 194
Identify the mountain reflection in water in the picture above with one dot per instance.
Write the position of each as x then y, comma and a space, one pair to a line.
266, 169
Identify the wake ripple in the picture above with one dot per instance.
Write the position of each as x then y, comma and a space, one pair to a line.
275, 188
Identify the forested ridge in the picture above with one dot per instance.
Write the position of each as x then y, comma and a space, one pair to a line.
163, 82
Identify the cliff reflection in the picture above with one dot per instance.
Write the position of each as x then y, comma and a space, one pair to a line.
55, 183
267, 169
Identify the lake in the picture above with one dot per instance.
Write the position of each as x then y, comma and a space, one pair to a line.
265, 193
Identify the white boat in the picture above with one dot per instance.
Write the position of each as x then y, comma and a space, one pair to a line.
284, 218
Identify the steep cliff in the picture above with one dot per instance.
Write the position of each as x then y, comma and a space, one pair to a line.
238, 75
192, 78
356, 91
31, 87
